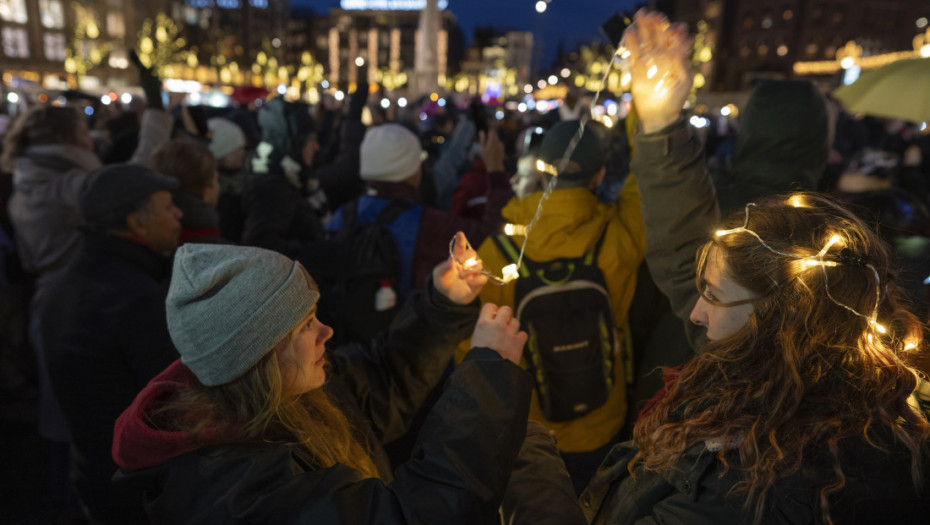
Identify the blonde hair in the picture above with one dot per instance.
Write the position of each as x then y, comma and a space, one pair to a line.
255, 408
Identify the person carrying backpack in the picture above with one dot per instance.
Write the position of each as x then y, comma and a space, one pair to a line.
362, 265
575, 285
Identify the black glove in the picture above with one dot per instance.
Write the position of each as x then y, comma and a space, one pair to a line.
149, 81
479, 115
358, 101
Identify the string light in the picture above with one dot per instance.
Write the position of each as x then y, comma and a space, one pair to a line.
818, 260
514, 229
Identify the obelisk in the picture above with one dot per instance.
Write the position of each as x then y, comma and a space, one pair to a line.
426, 63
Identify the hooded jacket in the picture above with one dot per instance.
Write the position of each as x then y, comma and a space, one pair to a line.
782, 144
47, 181
697, 489
570, 225
457, 473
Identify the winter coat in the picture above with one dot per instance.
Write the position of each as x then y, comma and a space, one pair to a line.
457, 474
781, 146
108, 339
696, 490
423, 233
570, 225
47, 181
277, 216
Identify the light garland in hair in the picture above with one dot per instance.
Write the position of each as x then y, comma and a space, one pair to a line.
815, 261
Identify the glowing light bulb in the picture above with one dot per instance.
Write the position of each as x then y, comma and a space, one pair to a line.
514, 229
510, 273
796, 201
910, 344
878, 328
545, 167
470, 263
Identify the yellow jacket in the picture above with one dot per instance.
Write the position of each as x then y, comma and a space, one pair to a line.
569, 225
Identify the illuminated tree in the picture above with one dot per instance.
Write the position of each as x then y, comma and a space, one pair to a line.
85, 50
161, 48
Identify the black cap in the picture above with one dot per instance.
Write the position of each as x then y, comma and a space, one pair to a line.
118, 190
587, 158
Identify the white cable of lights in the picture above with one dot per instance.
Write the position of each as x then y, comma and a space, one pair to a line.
510, 272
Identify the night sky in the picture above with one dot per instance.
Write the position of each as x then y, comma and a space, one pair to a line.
569, 21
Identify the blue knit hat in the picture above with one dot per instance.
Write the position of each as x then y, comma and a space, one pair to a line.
227, 306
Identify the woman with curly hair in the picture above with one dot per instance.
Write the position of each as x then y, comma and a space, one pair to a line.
799, 407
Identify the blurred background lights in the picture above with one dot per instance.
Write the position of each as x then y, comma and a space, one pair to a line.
541, 6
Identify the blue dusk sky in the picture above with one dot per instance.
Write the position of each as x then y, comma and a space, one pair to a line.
568, 21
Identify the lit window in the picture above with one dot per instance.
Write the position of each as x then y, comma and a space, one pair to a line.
116, 26
788, 14
782, 50
829, 51
747, 23
744, 52
811, 49
228, 4
763, 50
767, 22
13, 11
15, 42
200, 3
54, 46
261, 4
53, 15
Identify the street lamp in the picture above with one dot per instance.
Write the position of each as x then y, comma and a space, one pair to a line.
541, 6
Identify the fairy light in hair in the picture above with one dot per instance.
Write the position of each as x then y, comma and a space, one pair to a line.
797, 201
818, 260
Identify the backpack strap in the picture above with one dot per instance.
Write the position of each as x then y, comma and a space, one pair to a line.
394, 209
590, 258
511, 252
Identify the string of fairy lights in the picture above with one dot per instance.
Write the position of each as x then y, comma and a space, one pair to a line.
510, 272
819, 260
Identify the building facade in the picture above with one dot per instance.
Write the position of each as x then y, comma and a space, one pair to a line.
761, 39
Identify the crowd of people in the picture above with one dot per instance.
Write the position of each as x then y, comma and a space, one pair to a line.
284, 315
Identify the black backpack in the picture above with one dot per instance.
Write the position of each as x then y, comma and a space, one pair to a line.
564, 306
366, 259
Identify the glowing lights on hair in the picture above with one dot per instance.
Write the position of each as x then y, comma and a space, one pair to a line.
818, 261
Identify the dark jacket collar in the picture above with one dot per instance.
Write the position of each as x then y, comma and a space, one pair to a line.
112, 247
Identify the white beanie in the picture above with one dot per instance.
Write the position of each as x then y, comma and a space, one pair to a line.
227, 137
390, 153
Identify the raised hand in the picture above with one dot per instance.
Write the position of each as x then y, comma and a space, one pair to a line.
459, 282
660, 68
149, 81
499, 330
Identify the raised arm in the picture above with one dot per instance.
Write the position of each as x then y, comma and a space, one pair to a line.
678, 199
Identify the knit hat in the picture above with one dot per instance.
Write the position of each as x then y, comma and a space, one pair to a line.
390, 153
588, 157
227, 306
116, 191
227, 137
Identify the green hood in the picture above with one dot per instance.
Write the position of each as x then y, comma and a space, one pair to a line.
781, 146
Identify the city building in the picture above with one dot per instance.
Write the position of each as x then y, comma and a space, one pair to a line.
762, 39
378, 39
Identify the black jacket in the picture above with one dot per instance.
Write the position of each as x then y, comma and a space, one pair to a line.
456, 474
696, 490
106, 337
277, 217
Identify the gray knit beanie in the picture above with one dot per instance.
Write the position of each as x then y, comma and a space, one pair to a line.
227, 306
